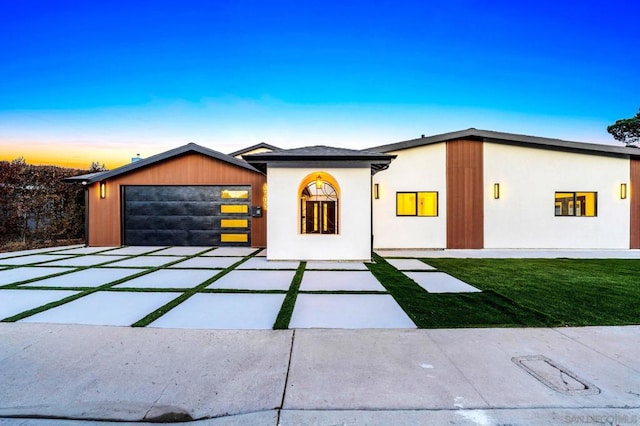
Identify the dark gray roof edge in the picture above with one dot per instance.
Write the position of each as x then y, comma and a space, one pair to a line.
190, 147
84, 178
503, 137
252, 147
311, 158
317, 153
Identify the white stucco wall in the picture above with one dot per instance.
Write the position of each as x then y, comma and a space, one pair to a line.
523, 216
284, 240
415, 169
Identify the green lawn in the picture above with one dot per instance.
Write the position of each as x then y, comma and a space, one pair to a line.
523, 292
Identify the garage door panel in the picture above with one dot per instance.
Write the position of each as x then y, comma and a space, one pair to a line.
181, 215
172, 222
172, 208
168, 237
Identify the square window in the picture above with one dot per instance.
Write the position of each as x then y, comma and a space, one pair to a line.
576, 204
406, 204
417, 203
427, 204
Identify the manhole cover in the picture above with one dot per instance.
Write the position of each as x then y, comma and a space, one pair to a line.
555, 376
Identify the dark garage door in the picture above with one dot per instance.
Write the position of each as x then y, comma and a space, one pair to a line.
187, 215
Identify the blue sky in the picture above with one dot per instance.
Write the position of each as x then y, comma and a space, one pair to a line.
83, 81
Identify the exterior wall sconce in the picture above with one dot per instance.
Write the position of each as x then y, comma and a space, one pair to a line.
376, 191
623, 191
103, 190
496, 190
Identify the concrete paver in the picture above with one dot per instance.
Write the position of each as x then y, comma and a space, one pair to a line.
82, 250
263, 263
145, 261
208, 262
348, 311
104, 308
88, 260
135, 250
410, 265
255, 280
36, 251
181, 251
85, 278
17, 301
340, 280
32, 259
10, 276
184, 278
439, 282
231, 251
338, 266
240, 311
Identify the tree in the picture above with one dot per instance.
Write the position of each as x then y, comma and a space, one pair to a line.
37, 206
627, 130
96, 167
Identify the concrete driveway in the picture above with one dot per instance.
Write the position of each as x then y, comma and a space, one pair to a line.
189, 287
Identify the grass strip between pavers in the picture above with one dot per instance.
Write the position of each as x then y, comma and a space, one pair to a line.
73, 269
286, 310
87, 292
151, 317
453, 310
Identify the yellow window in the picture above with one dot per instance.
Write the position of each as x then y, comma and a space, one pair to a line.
234, 223
576, 204
406, 204
234, 238
585, 204
227, 193
315, 217
234, 208
427, 204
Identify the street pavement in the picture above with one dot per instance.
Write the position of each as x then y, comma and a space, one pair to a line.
54, 374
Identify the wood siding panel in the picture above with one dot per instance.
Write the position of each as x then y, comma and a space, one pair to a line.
190, 169
465, 199
634, 193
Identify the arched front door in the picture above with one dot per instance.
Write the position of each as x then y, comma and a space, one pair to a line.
319, 204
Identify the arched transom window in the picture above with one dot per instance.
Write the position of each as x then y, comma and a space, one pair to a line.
319, 204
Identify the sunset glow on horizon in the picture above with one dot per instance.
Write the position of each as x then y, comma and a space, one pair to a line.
83, 81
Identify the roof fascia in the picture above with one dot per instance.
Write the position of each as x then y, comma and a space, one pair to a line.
514, 139
173, 153
253, 147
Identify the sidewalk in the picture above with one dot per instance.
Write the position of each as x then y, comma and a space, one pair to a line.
291, 377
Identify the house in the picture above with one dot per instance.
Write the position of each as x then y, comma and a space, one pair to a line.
190, 195
475, 189
465, 189
320, 201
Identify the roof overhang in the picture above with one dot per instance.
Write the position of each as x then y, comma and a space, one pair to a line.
173, 153
320, 157
514, 139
